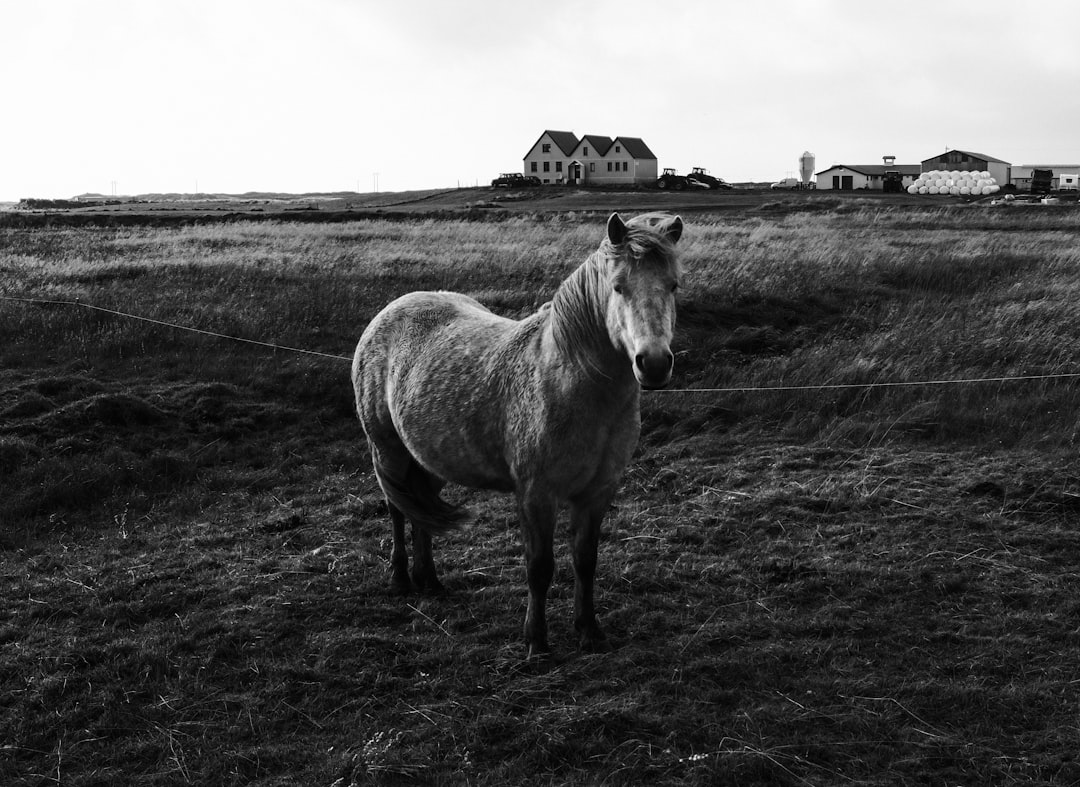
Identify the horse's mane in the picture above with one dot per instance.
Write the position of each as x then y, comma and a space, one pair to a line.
579, 307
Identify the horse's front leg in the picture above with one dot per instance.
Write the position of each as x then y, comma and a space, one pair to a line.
584, 541
536, 515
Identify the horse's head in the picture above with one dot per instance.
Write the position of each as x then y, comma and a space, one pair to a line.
643, 274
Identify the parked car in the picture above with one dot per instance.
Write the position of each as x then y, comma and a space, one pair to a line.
515, 179
701, 177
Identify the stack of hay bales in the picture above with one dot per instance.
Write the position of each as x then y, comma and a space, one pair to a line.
966, 182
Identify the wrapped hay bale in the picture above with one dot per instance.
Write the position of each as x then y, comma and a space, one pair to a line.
959, 182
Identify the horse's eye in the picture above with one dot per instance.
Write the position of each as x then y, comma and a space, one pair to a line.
618, 289
674, 286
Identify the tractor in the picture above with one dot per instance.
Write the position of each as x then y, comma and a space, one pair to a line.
671, 180
700, 177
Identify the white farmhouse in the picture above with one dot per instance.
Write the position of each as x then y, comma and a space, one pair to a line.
560, 157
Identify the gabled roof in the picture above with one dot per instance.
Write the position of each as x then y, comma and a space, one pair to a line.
565, 141
969, 154
636, 147
876, 169
600, 144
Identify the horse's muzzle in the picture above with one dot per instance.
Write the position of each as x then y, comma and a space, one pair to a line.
653, 370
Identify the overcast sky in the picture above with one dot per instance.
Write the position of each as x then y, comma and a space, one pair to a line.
333, 95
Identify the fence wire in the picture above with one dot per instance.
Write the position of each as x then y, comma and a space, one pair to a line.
732, 389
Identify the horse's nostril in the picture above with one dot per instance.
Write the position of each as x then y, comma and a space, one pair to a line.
640, 361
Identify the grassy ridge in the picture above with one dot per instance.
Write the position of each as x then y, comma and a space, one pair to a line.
869, 585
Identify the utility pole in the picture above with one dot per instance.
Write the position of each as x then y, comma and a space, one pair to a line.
376, 176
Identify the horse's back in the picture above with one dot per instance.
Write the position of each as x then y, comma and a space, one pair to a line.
417, 324
413, 316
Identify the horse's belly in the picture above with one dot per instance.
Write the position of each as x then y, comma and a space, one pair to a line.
458, 463
454, 441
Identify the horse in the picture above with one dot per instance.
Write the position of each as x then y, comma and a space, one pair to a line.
547, 407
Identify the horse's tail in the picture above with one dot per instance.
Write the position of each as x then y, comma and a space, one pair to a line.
417, 496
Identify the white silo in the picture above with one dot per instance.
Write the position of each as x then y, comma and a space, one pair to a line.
806, 167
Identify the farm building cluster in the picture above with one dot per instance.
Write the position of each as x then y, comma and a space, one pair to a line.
561, 157
890, 176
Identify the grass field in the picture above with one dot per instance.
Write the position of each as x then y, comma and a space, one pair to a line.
862, 585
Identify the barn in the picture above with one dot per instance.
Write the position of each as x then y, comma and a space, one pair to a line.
1000, 171
561, 157
888, 176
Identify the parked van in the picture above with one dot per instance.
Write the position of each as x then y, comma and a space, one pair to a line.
786, 183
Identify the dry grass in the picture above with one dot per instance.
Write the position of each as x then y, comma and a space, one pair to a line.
869, 586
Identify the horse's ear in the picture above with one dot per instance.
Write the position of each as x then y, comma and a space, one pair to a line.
674, 229
616, 229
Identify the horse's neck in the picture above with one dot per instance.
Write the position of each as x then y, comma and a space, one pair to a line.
578, 325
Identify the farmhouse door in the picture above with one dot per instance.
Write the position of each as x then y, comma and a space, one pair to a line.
847, 182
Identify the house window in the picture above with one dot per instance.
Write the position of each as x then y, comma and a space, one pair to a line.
558, 166
618, 149
584, 151
609, 166
592, 166
546, 147
532, 166
547, 166
625, 166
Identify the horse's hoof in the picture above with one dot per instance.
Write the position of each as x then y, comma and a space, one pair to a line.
432, 587
428, 583
538, 652
593, 641
594, 645
591, 638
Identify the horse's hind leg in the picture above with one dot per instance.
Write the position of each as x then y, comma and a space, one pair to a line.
399, 474
424, 575
399, 557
